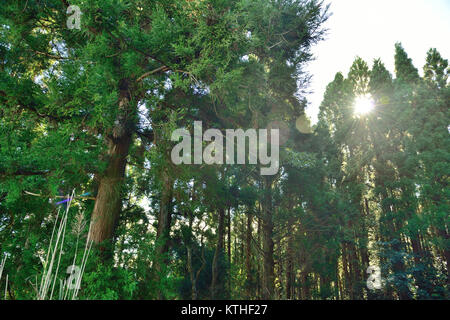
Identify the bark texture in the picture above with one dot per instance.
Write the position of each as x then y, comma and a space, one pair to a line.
108, 203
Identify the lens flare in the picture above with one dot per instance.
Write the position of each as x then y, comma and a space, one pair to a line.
363, 105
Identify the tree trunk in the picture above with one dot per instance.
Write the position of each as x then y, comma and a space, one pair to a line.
165, 215
268, 266
290, 265
248, 256
108, 203
229, 234
355, 272
216, 286
347, 272
191, 273
164, 222
258, 265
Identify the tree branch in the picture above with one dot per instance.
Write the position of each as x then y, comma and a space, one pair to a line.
24, 172
162, 68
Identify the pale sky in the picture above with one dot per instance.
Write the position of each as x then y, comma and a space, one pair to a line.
370, 29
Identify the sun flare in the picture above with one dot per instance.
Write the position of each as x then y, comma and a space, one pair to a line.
363, 105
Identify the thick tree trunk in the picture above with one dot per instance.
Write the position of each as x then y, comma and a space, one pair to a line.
108, 202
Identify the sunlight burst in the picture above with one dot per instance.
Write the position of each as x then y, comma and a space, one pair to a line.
364, 104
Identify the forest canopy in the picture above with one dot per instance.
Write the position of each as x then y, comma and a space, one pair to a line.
92, 205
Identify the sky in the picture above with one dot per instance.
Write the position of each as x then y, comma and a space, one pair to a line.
370, 29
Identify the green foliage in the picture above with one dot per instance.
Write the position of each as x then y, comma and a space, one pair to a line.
354, 191
107, 283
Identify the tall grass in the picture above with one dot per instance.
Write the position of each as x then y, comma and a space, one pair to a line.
45, 289
49, 279
2, 266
